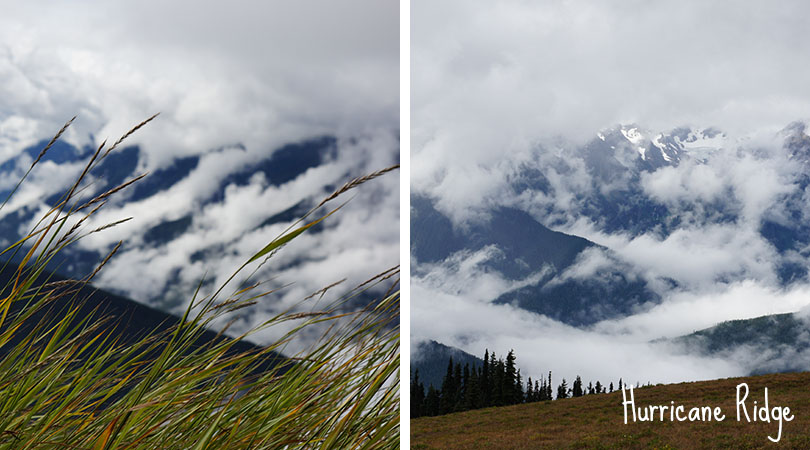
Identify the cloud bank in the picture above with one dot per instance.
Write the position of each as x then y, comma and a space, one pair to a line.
457, 296
510, 93
494, 78
260, 75
233, 84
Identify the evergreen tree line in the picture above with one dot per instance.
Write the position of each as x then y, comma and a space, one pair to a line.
497, 382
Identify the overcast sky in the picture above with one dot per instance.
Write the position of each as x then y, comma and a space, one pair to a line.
249, 72
499, 84
493, 77
233, 82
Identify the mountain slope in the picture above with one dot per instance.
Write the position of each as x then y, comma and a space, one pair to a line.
431, 358
775, 343
131, 321
584, 301
597, 421
526, 245
521, 247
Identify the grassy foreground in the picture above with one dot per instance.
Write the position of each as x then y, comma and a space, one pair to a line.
67, 380
597, 421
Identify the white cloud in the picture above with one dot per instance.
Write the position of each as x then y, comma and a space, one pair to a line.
257, 74
233, 83
495, 78
359, 241
500, 86
458, 296
690, 182
589, 263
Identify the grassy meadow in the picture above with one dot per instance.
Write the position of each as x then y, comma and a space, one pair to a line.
67, 381
597, 421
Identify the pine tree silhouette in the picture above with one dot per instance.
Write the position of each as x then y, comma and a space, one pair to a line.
417, 396
562, 390
432, 402
577, 389
448, 391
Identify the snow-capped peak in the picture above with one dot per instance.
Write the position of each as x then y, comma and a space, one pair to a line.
661, 146
633, 135
636, 138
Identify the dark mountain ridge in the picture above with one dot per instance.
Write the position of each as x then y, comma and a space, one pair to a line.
431, 358
775, 343
525, 243
524, 247
129, 322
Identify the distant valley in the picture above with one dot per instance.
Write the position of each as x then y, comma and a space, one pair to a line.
602, 232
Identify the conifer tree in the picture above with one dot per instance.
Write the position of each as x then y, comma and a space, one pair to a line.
611, 387
499, 383
577, 389
458, 395
510, 381
562, 390
432, 402
479, 400
486, 381
529, 390
448, 391
598, 387
417, 396
473, 390
495, 375
465, 387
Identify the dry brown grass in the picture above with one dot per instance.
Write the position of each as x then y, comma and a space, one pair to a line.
597, 421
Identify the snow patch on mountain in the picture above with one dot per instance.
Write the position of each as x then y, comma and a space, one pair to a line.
632, 135
705, 140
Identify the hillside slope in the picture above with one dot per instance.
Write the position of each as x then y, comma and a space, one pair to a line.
517, 246
131, 321
597, 421
775, 343
430, 358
